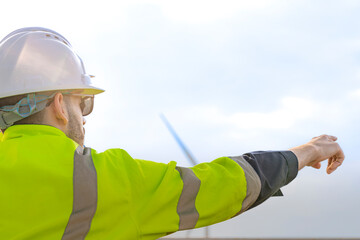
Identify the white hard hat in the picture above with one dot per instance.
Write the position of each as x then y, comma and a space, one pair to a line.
39, 59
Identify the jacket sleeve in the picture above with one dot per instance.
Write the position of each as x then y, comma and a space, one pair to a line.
169, 198
273, 169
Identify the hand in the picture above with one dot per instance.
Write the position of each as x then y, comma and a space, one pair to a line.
319, 149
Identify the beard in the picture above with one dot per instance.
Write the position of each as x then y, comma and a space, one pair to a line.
75, 129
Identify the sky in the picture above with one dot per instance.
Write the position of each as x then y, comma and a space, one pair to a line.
231, 77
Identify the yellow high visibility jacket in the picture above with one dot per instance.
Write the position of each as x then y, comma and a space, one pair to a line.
52, 188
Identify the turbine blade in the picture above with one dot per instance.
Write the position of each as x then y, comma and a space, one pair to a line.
187, 153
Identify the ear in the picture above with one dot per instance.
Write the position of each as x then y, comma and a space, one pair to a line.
59, 108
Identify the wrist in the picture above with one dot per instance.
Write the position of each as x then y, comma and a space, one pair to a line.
306, 154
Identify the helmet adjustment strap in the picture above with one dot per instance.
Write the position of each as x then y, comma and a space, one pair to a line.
29, 105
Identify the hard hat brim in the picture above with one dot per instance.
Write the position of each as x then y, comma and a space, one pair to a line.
89, 90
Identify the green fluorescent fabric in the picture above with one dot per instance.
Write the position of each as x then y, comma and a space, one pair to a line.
50, 186
222, 190
36, 176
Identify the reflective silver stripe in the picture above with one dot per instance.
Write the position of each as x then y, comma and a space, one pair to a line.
85, 195
253, 184
186, 206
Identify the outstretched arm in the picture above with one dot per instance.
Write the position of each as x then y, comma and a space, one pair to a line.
169, 198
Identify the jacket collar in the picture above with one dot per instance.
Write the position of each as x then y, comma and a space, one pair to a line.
17, 131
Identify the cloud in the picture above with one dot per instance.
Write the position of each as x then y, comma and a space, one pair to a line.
291, 110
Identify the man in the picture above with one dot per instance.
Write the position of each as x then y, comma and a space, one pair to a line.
55, 188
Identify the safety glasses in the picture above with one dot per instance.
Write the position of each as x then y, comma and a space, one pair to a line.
86, 104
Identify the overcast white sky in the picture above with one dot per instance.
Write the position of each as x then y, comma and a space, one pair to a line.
231, 77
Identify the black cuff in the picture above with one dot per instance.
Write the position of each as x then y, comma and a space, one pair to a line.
293, 165
275, 169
